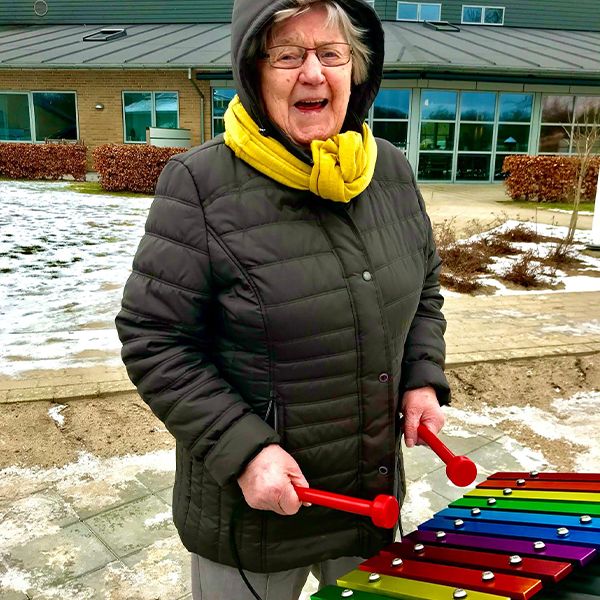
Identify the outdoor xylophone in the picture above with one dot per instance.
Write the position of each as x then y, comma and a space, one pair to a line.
516, 536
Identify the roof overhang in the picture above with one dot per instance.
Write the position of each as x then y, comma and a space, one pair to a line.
474, 53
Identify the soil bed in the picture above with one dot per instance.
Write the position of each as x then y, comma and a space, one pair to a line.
123, 424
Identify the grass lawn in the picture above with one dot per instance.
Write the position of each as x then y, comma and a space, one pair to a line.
583, 206
94, 187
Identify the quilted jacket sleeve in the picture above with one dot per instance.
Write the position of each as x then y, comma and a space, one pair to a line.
164, 326
425, 349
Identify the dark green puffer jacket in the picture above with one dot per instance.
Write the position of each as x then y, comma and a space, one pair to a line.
259, 314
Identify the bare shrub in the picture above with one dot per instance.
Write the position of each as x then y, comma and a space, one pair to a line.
461, 263
519, 233
494, 245
562, 255
525, 271
461, 285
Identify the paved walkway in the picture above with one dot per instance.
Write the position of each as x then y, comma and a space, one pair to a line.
480, 328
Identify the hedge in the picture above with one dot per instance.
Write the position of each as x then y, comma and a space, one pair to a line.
548, 178
133, 168
43, 161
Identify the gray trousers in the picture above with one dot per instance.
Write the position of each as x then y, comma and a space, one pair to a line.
213, 581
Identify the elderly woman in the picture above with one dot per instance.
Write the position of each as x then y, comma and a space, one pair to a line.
283, 312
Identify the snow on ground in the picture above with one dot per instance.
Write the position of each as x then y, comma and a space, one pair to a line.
574, 419
64, 258
560, 281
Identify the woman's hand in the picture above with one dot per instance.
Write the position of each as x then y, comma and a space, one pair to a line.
268, 479
420, 406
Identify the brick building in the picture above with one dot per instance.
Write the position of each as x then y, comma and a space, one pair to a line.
464, 84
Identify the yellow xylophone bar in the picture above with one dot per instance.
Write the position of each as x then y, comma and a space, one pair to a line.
536, 495
408, 589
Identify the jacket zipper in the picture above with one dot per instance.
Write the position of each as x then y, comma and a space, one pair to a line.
272, 408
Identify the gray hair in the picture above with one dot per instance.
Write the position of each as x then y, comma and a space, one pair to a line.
336, 17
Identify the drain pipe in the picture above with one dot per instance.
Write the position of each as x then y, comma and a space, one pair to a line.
195, 84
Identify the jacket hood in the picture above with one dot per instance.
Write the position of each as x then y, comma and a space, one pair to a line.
251, 16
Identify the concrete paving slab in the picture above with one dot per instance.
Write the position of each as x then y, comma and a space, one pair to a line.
429, 503
505, 454
439, 482
166, 495
131, 527
160, 571
419, 460
455, 428
9, 594
462, 444
165, 563
156, 480
50, 560
91, 497
51, 511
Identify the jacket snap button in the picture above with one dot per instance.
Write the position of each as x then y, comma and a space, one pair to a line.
383, 470
384, 378
367, 276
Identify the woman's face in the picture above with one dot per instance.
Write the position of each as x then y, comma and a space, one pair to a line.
310, 102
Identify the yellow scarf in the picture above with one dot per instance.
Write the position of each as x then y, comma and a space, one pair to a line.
343, 164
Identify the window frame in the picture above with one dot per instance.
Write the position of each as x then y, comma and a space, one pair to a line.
568, 127
483, 11
32, 126
152, 110
372, 119
418, 4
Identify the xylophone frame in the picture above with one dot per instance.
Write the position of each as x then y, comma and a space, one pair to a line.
515, 536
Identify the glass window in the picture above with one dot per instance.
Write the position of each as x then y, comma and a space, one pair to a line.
513, 138
138, 115
587, 109
475, 137
395, 132
392, 104
55, 116
437, 136
490, 15
554, 138
493, 16
407, 11
438, 105
472, 14
149, 109
430, 12
418, 11
584, 138
499, 175
477, 106
516, 107
435, 166
473, 167
15, 124
167, 110
221, 97
557, 109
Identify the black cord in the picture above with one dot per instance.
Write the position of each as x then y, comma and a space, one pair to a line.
235, 516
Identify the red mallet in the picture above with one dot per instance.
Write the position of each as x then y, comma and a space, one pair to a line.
461, 471
384, 510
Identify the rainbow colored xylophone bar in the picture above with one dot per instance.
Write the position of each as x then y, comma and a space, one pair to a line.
516, 536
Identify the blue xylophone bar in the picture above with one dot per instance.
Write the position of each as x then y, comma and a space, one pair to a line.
506, 530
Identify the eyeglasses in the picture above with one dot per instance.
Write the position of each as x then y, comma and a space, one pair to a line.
292, 57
